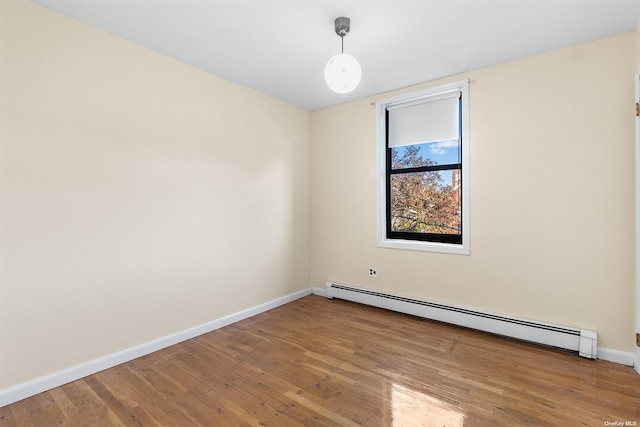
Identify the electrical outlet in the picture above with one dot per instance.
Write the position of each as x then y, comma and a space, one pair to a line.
373, 272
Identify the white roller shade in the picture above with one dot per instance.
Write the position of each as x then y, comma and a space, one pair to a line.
423, 121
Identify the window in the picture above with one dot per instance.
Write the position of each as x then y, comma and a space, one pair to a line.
423, 180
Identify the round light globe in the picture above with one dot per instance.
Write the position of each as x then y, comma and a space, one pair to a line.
342, 73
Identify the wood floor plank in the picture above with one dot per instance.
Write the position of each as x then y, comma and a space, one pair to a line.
320, 409
17, 414
320, 362
89, 408
49, 411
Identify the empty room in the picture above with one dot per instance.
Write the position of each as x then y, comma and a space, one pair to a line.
319, 213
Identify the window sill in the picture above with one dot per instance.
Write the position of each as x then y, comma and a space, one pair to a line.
415, 245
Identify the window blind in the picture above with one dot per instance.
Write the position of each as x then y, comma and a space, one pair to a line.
424, 120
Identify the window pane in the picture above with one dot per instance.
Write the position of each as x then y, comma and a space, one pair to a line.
426, 202
430, 154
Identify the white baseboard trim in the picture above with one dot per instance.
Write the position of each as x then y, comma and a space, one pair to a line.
56, 379
637, 362
319, 291
616, 356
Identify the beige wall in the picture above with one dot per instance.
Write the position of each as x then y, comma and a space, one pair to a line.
140, 196
638, 48
552, 195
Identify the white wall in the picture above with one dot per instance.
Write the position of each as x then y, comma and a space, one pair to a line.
552, 195
140, 196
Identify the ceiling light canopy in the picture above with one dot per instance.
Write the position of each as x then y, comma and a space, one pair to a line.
343, 72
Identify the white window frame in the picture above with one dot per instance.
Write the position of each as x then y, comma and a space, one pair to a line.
381, 208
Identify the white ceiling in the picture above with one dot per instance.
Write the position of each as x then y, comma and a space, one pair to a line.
281, 47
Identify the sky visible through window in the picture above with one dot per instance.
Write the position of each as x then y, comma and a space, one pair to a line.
440, 152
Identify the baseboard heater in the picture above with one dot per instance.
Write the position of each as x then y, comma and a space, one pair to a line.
584, 341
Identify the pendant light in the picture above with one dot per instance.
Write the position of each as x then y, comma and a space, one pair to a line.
342, 72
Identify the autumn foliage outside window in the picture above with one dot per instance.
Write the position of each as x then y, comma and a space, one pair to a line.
424, 202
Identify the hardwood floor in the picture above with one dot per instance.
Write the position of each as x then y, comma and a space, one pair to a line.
320, 362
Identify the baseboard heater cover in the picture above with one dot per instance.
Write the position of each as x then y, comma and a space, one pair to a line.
584, 341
